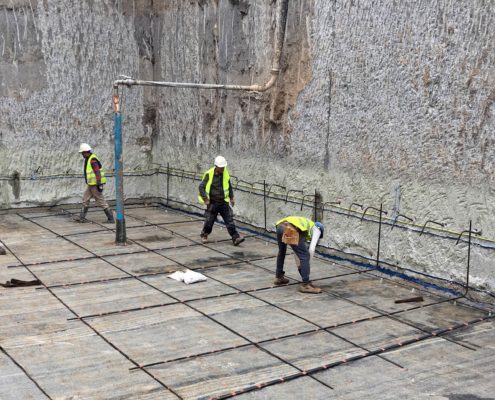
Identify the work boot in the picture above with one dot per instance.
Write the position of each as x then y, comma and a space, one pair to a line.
109, 215
307, 287
238, 240
82, 215
281, 280
204, 238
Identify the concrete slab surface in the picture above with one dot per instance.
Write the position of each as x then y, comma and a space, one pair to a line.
71, 272
51, 362
108, 322
103, 243
386, 331
28, 315
441, 316
192, 230
198, 257
226, 372
142, 263
251, 249
252, 318
153, 237
320, 348
302, 388
432, 369
195, 291
157, 215
17, 270
110, 296
379, 294
323, 310
64, 224
320, 268
243, 276
164, 333
14, 383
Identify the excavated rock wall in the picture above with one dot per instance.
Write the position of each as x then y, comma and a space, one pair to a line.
58, 60
377, 103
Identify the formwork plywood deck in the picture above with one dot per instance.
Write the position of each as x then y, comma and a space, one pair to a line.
107, 322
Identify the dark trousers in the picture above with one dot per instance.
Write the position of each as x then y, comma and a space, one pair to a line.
301, 251
222, 208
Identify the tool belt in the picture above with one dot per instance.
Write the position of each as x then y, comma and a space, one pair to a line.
291, 234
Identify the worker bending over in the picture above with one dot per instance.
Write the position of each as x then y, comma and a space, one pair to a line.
215, 191
95, 179
294, 231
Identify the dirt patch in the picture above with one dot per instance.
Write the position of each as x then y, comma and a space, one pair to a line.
154, 238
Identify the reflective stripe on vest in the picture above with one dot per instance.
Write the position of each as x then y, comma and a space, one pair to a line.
305, 225
225, 184
90, 174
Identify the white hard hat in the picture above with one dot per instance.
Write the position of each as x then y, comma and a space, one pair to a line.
220, 161
84, 147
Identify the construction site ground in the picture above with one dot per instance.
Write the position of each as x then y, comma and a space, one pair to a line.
108, 323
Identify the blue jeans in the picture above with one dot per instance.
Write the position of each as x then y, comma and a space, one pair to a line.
225, 211
301, 251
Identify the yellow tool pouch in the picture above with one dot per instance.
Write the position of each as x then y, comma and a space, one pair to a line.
291, 235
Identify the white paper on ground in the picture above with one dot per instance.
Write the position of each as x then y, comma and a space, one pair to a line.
177, 275
187, 277
193, 277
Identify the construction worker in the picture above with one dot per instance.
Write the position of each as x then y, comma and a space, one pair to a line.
294, 231
215, 191
95, 180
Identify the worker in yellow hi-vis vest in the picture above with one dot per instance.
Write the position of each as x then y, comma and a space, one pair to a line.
295, 231
215, 191
95, 180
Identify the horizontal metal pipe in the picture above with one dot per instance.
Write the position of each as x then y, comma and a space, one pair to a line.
278, 46
185, 85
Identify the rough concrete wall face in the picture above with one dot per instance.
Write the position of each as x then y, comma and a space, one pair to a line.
377, 103
409, 87
401, 112
58, 61
227, 42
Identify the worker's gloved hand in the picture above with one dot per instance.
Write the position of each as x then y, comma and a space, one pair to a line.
99, 188
232, 202
207, 202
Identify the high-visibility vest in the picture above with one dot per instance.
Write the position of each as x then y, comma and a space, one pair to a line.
225, 184
90, 174
305, 225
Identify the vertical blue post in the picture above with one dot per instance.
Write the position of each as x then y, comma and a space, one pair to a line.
264, 202
120, 237
379, 236
168, 180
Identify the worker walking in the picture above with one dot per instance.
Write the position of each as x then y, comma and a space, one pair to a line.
294, 231
95, 181
215, 191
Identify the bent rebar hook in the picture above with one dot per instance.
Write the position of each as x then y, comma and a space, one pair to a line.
292, 190
403, 216
433, 222
354, 204
240, 180
467, 231
304, 196
330, 203
274, 184
373, 208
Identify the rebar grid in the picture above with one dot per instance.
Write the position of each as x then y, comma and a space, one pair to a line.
258, 344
